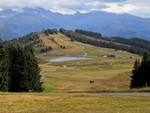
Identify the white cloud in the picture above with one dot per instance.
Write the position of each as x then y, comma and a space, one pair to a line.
134, 7
118, 8
70, 7
1, 9
62, 6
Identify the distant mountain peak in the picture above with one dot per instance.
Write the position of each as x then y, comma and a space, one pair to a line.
7, 34
108, 24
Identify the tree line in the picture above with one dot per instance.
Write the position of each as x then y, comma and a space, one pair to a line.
136, 42
19, 70
89, 33
78, 36
50, 31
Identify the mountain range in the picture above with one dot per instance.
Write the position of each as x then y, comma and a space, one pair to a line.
6, 33
108, 24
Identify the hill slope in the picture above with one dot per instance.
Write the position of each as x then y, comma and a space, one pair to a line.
51, 39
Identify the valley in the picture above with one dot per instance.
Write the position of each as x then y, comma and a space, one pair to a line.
108, 73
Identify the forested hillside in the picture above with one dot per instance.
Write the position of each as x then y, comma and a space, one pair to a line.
133, 45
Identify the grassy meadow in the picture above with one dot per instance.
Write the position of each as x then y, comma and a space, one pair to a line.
72, 103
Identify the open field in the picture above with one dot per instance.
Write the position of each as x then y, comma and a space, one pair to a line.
108, 73
72, 103
77, 79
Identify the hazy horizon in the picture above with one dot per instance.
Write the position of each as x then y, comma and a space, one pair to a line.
132, 7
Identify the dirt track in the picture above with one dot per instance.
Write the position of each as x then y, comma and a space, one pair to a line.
116, 93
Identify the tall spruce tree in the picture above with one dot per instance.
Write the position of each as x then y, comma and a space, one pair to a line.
19, 70
145, 68
16, 70
32, 78
140, 74
135, 78
4, 66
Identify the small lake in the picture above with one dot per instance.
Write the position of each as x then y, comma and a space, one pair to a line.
62, 59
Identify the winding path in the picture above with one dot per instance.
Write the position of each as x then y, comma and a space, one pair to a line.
82, 50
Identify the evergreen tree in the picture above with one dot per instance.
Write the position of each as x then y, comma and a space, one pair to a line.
16, 69
135, 75
4, 66
32, 77
19, 70
140, 74
145, 68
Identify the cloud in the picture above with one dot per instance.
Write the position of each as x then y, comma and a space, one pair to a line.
62, 6
119, 8
70, 7
134, 7
113, 1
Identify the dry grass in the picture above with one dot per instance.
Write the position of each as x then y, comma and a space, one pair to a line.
77, 79
109, 74
46, 40
72, 103
63, 40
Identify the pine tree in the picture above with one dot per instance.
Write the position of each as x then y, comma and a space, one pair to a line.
4, 66
135, 78
148, 74
145, 68
32, 77
140, 74
21, 72
16, 58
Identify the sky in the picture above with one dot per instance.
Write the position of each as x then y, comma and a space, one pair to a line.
139, 8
